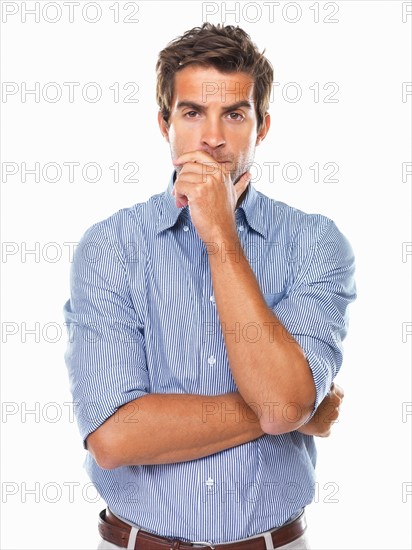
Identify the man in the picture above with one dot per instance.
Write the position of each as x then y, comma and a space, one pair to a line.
206, 326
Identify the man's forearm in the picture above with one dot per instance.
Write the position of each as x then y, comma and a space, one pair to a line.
166, 428
268, 365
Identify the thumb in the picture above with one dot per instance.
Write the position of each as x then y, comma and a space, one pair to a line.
243, 182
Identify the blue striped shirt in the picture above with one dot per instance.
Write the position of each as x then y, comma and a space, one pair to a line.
142, 319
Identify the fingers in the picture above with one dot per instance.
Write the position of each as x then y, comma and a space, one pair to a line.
333, 415
241, 185
336, 393
202, 163
329, 410
208, 185
324, 434
338, 390
203, 169
198, 167
336, 396
196, 157
193, 156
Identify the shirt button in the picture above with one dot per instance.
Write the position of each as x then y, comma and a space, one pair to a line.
240, 227
185, 228
211, 360
209, 483
212, 299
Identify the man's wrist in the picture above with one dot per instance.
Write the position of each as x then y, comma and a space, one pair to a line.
223, 245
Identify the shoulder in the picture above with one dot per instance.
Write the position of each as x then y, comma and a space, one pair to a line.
289, 220
125, 219
306, 236
124, 223
122, 233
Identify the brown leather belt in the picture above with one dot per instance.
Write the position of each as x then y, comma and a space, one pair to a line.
116, 531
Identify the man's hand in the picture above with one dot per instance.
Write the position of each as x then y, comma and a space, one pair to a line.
206, 186
326, 414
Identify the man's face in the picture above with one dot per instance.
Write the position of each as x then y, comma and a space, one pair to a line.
214, 112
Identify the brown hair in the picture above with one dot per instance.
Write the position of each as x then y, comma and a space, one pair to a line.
226, 48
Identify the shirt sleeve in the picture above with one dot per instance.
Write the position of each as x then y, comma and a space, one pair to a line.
105, 354
315, 309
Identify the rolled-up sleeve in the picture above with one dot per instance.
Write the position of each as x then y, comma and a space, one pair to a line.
105, 354
315, 309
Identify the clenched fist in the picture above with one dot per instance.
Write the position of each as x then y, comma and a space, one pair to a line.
326, 414
205, 184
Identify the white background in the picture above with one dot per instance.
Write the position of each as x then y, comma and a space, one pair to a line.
364, 475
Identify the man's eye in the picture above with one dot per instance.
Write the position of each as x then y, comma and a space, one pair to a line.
237, 116
190, 113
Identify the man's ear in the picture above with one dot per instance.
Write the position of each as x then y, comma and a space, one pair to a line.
263, 129
163, 126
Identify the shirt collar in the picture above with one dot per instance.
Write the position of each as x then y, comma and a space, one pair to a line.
249, 209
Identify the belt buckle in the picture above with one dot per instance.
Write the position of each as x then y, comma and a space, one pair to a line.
203, 543
176, 544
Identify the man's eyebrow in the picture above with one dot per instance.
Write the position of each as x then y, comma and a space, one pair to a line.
199, 107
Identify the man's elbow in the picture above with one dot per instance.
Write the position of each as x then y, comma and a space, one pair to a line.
289, 418
103, 449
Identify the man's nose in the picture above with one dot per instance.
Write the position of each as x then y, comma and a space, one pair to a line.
212, 134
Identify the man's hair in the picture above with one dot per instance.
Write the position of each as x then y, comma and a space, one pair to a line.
226, 48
